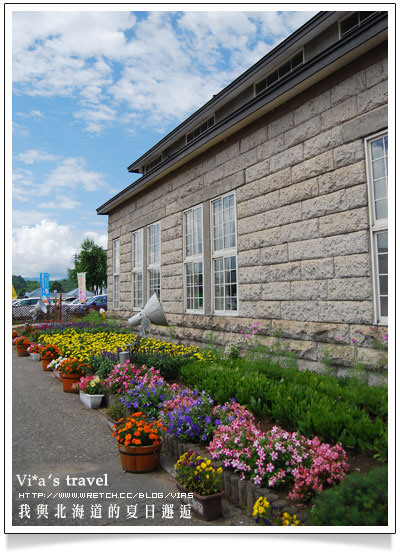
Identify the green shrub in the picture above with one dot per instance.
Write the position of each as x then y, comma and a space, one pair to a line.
116, 411
357, 501
313, 404
101, 365
168, 364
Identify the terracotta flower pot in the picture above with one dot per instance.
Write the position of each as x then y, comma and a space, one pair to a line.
45, 363
22, 351
207, 507
68, 380
139, 459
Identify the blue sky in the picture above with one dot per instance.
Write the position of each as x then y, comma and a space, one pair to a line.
93, 90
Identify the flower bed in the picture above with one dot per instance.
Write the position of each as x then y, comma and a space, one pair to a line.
83, 344
254, 460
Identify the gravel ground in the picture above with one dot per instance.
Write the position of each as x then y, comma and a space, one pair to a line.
56, 438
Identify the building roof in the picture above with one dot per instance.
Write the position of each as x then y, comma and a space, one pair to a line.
327, 52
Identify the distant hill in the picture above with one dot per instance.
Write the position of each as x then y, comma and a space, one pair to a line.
24, 285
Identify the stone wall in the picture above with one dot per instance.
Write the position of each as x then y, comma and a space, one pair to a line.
302, 221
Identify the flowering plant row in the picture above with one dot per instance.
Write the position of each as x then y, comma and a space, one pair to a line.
277, 457
83, 344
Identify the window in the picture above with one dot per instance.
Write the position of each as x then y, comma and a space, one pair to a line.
152, 164
154, 259
200, 129
137, 269
193, 234
116, 273
224, 254
353, 21
288, 67
377, 173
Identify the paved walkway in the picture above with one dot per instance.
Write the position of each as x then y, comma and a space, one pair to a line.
58, 442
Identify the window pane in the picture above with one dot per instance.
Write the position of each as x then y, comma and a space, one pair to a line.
377, 148
154, 244
381, 209
384, 306
383, 285
194, 285
380, 188
225, 286
137, 247
382, 242
154, 282
137, 280
378, 168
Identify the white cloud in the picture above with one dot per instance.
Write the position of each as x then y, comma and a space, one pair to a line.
48, 247
27, 218
44, 247
68, 176
96, 117
60, 202
19, 129
161, 66
34, 155
31, 114
72, 174
99, 239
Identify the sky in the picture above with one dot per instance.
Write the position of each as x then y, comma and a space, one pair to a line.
94, 90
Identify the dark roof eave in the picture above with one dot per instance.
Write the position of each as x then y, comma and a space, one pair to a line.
309, 69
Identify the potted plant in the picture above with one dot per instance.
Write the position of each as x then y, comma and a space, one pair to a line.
91, 391
15, 334
34, 352
47, 354
22, 343
139, 442
71, 370
54, 365
195, 474
115, 412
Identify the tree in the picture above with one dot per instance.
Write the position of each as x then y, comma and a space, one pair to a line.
19, 284
56, 285
92, 259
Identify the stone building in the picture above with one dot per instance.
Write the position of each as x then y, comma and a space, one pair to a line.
269, 204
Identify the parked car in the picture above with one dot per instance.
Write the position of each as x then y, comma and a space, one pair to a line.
26, 302
97, 302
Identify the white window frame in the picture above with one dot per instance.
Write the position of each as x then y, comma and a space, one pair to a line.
137, 266
116, 273
190, 259
153, 266
376, 226
223, 253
